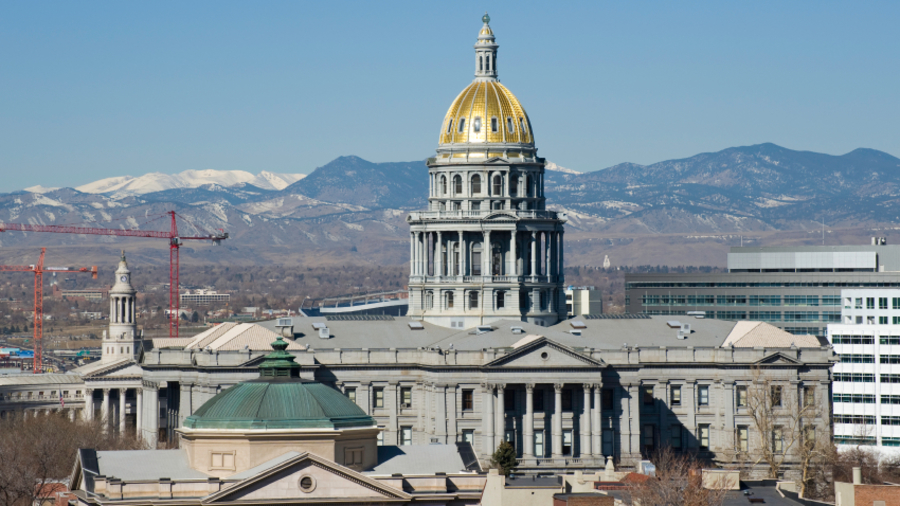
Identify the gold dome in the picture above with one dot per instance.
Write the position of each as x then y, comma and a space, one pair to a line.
482, 104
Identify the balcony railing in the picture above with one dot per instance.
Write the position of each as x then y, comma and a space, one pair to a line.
458, 215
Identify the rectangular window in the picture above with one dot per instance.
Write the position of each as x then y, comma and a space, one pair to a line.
765, 300
539, 444
567, 442
856, 377
890, 340
606, 398
896, 302
406, 397
775, 396
509, 399
809, 396
567, 399
855, 419
858, 304
831, 300
476, 263
856, 358
510, 437
882, 320
890, 359
841, 339
405, 436
351, 394
675, 396
539, 400
607, 442
855, 398
675, 437
647, 440
468, 403
778, 440
648, 395
743, 438
870, 302
741, 396
703, 436
801, 300
887, 378
890, 420
473, 300
890, 399
378, 397
882, 303
468, 436
703, 395
380, 439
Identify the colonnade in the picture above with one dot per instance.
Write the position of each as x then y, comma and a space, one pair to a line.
121, 308
527, 184
115, 415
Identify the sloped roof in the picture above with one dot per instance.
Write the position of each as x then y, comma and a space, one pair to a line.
236, 336
747, 334
40, 379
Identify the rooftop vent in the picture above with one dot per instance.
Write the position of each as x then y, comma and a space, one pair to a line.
517, 330
674, 324
416, 326
578, 324
324, 333
285, 322
484, 328
576, 332
319, 326
697, 314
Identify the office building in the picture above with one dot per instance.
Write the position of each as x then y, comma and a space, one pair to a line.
583, 300
203, 297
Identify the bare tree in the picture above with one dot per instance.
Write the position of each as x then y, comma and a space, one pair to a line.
678, 482
35, 452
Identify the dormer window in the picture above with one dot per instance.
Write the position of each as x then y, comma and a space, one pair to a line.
476, 125
462, 124
522, 125
495, 125
450, 125
510, 125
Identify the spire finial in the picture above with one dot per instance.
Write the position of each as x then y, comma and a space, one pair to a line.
123, 255
280, 363
486, 18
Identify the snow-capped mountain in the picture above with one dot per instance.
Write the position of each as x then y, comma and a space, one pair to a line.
124, 186
558, 168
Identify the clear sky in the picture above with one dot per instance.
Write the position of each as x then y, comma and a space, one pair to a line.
98, 89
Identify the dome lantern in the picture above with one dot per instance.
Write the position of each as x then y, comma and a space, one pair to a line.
486, 52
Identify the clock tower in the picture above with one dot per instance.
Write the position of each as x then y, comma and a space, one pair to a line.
121, 341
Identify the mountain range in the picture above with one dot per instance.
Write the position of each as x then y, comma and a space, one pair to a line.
673, 212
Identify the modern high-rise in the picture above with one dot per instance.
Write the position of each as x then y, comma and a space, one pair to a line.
487, 248
796, 288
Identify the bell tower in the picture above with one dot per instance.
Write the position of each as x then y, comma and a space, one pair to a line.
121, 340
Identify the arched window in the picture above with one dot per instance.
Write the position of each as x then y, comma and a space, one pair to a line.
462, 124
450, 125
476, 124
457, 185
522, 125
498, 185
476, 184
480, 64
510, 125
443, 185
495, 125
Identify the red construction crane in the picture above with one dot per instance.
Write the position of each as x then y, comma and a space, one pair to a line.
39, 270
171, 235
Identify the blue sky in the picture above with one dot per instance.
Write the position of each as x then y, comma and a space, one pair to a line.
99, 89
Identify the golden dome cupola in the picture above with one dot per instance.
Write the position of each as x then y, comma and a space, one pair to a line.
486, 119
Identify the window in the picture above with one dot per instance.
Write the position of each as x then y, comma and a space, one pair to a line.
378, 398
475, 206
476, 124
405, 436
449, 300
890, 359
648, 395
886, 378
457, 185
567, 442
406, 397
765, 300
895, 302
703, 436
538, 400
476, 184
606, 398
607, 440
856, 358
353, 457
741, 396
838, 339
538, 444
468, 403
855, 398
468, 436
703, 395
510, 126
882, 303
890, 420
870, 302
647, 440
809, 396
351, 394
890, 399
509, 400
775, 396
501, 300
443, 185
513, 185
882, 320
222, 460
858, 304
498, 185
675, 396
855, 419
566, 399
476, 263
522, 125
429, 300
856, 377
743, 438
473, 300
895, 340
778, 440
462, 124
495, 125
831, 300
675, 437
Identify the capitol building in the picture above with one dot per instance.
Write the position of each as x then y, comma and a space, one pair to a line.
486, 353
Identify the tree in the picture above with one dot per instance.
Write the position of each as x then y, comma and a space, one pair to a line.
504, 458
678, 480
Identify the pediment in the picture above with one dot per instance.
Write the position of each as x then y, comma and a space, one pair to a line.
543, 352
499, 215
496, 159
125, 368
778, 358
332, 483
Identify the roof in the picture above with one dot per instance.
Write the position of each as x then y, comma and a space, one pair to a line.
153, 465
234, 336
253, 471
418, 459
40, 379
749, 334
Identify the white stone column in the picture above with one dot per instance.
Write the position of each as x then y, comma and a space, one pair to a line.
634, 419
412, 253
438, 256
513, 253
122, 394
501, 413
596, 427
151, 413
528, 422
551, 264
104, 409
561, 263
546, 254
557, 420
452, 430
394, 402
487, 412
586, 421
440, 416
533, 254
487, 253
88, 413
138, 411
462, 254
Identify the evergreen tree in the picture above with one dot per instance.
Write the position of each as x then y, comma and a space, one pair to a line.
504, 458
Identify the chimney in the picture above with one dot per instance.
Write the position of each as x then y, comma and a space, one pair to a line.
857, 476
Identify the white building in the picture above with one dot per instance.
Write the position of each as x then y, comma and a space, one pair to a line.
203, 297
866, 388
583, 300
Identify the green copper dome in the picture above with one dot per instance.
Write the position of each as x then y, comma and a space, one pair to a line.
279, 399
